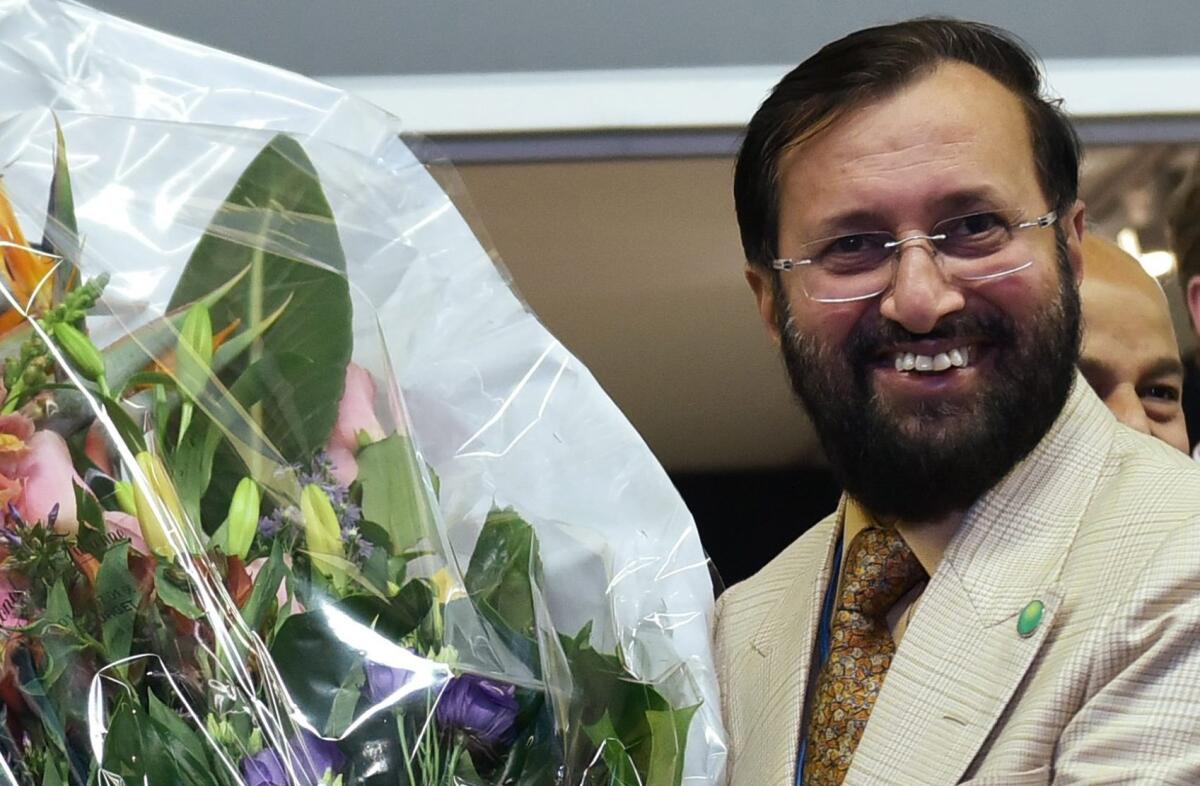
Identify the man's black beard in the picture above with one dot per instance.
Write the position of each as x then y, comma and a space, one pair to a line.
923, 464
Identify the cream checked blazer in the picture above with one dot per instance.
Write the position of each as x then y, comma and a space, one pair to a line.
1102, 525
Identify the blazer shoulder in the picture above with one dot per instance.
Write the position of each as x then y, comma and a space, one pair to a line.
1145, 481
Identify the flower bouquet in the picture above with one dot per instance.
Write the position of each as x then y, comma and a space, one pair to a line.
294, 489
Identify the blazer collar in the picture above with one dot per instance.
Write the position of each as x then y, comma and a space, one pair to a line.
1018, 534
962, 657
785, 641
792, 621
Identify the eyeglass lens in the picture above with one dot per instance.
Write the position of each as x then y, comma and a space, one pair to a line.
856, 266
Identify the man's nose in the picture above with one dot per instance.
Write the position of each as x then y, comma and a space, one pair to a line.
921, 294
1126, 404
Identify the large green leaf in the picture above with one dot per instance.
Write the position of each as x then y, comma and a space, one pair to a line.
276, 213
611, 702
393, 492
315, 661
668, 737
116, 600
500, 575
187, 746
604, 736
134, 750
500, 580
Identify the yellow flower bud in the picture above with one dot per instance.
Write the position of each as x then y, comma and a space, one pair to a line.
445, 588
153, 528
80, 349
242, 523
197, 332
321, 531
123, 491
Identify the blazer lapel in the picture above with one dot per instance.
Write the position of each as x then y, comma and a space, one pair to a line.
950, 682
784, 644
963, 657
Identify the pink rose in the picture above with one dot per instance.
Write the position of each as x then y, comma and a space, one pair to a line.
48, 478
36, 473
356, 412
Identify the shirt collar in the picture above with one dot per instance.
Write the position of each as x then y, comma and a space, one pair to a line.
927, 540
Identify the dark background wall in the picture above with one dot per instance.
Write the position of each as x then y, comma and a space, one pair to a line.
746, 518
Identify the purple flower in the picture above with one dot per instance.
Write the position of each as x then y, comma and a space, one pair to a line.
484, 709
383, 681
311, 756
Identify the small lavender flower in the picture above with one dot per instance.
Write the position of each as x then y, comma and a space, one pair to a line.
310, 755
485, 710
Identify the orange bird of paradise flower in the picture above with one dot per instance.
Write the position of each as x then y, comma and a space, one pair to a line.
27, 274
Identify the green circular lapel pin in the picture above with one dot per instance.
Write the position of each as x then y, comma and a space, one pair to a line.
1030, 618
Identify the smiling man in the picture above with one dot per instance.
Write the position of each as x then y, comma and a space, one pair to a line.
1010, 589
1130, 354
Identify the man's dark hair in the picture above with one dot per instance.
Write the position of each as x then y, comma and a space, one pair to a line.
869, 65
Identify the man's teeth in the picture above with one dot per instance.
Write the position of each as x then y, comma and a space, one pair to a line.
908, 361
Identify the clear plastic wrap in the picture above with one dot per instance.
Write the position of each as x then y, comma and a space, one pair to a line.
342, 507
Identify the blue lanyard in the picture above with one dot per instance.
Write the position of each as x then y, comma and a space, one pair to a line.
824, 643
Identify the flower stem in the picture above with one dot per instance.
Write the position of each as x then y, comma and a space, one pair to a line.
453, 763
405, 751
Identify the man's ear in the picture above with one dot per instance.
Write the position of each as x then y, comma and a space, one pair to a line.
1192, 297
762, 283
1074, 225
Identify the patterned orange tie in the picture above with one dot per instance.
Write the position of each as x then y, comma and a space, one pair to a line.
879, 569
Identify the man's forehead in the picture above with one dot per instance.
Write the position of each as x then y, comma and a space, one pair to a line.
955, 123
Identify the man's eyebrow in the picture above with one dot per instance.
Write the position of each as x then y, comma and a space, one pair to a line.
953, 203
850, 221
1094, 370
1165, 366
968, 200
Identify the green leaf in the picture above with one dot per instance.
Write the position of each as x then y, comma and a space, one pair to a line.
193, 466
53, 773
275, 214
131, 353
604, 736
668, 738
394, 493
500, 580
186, 744
133, 748
61, 235
60, 639
172, 594
649, 729
266, 586
35, 694
341, 712
314, 661
396, 617
92, 536
266, 382
116, 601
